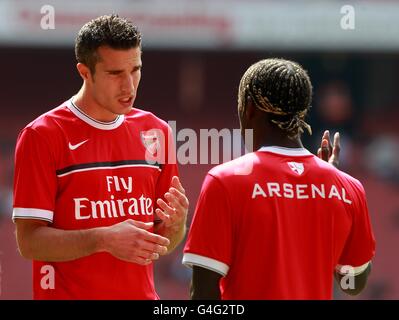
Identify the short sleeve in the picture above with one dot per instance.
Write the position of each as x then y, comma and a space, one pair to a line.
360, 244
209, 242
35, 181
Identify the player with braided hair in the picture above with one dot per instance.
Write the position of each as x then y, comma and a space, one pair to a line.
284, 228
289, 106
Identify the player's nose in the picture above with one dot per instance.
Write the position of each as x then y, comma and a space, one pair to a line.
127, 85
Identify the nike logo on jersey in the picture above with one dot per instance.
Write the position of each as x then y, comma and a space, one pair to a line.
296, 167
75, 146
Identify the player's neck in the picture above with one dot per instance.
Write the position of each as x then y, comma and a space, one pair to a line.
269, 135
89, 106
269, 139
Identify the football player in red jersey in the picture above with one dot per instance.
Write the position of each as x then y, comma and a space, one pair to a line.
279, 222
93, 206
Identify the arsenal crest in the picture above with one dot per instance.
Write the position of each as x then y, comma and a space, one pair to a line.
297, 167
151, 141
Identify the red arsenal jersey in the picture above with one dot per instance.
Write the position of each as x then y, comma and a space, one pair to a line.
276, 223
77, 173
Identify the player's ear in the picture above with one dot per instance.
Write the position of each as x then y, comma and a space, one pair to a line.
83, 70
250, 109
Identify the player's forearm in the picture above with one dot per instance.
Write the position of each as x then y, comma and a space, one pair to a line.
50, 244
176, 238
201, 292
359, 281
205, 284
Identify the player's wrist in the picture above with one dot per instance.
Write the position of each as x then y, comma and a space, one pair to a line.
177, 227
178, 231
100, 236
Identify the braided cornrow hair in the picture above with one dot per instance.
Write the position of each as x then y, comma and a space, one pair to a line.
281, 88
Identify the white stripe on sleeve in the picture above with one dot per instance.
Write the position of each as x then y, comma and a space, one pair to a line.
32, 213
350, 270
190, 259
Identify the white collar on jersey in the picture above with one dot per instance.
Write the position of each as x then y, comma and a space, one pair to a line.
93, 122
286, 151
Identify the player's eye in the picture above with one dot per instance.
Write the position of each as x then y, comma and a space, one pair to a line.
114, 73
136, 69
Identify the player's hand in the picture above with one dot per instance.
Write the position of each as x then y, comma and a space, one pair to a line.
131, 241
328, 152
174, 213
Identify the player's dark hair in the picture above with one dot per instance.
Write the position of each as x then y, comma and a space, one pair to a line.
281, 88
107, 30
